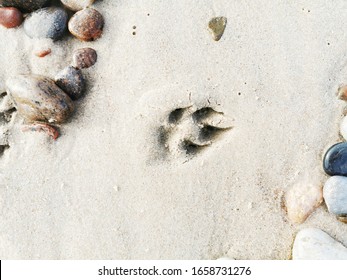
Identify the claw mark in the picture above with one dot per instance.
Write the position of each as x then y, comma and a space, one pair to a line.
190, 131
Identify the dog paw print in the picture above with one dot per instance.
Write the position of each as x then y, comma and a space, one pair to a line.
189, 131
6, 116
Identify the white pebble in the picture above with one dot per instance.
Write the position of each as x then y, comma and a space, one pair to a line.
315, 244
335, 195
343, 128
302, 199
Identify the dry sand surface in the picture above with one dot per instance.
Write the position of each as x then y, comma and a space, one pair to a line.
117, 185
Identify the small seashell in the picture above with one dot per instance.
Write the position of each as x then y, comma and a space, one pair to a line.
77, 5
335, 195
46, 23
302, 199
10, 17
342, 92
315, 244
335, 160
71, 81
38, 98
43, 53
84, 58
217, 26
42, 127
87, 24
24, 5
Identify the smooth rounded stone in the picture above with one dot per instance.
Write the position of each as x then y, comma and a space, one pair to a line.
335, 195
24, 5
77, 5
84, 58
87, 24
335, 160
38, 98
315, 244
10, 17
302, 199
343, 128
71, 81
46, 23
217, 26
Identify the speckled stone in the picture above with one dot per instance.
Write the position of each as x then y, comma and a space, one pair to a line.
10, 17
335, 160
71, 81
38, 98
84, 58
77, 5
335, 195
24, 5
46, 23
217, 26
87, 24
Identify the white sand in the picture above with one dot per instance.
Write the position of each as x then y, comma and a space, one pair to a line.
103, 189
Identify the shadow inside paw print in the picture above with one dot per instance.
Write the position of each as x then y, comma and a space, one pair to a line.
189, 131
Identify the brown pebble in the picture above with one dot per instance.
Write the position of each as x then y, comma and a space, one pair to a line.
87, 24
84, 58
342, 92
10, 17
43, 53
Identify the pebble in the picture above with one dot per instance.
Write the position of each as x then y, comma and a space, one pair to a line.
43, 53
24, 5
38, 98
343, 128
87, 24
71, 81
84, 58
302, 199
77, 5
335, 195
217, 26
315, 244
342, 92
335, 160
10, 17
46, 23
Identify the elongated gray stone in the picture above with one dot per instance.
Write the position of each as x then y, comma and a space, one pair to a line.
335, 195
24, 5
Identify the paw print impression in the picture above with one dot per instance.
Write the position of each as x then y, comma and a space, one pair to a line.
189, 131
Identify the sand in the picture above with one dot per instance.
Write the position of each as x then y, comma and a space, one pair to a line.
109, 189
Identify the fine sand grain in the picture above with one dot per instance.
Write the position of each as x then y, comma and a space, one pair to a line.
116, 185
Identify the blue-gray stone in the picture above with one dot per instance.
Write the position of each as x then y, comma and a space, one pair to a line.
46, 23
335, 160
335, 195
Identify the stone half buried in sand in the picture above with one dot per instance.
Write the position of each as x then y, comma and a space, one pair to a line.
10, 17
335, 160
217, 26
46, 23
302, 199
38, 98
24, 5
315, 244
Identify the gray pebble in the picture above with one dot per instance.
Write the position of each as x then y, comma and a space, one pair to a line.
71, 81
335, 195
24, 5
46, 23
84, 58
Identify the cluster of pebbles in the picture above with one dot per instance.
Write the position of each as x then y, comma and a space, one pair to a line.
42, 101
303, 198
